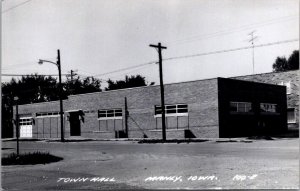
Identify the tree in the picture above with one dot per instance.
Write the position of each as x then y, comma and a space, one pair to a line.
29, 89
35, 88
129, 82
81, 86
283, 64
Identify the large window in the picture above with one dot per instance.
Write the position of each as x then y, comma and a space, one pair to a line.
25, 127
25, 121
240, 107
172, 110
110, 114
270, 108
291, 117
47, 114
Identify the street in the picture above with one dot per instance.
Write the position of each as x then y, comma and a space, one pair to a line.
97, 165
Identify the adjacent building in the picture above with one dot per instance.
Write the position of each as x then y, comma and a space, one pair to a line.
211, 108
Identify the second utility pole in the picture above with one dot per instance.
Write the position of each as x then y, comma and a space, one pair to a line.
159, 48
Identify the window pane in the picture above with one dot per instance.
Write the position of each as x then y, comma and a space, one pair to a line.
182, 110
170, 106
118, 110
102, 115
171, 111
268, 108
182, 106
118, 114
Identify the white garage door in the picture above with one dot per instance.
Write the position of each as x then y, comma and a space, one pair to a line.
25, 127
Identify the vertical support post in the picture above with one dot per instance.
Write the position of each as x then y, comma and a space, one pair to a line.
188, 121
177, 121
126, 118
159, 48
17, 128
99, 125
50, 125
60, 98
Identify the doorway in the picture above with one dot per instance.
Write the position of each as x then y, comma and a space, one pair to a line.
75, 124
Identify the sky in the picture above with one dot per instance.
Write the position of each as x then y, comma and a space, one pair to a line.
96, 37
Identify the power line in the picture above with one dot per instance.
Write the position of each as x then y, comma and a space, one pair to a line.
31, 74
128, 68
230, 50
18, 5
173, 58
232, 30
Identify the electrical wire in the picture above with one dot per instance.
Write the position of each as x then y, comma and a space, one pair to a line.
230, 50
230, 31
16, 6
177, 57
123, 69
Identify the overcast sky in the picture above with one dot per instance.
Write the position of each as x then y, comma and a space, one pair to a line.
100, 36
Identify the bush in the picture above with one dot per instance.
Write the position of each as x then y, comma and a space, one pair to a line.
30, 159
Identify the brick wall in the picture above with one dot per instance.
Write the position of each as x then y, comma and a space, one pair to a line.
201, 97
202, 120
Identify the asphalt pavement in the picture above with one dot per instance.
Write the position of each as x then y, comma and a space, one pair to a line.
113, 165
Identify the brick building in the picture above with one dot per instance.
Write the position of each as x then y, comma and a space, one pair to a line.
208, 108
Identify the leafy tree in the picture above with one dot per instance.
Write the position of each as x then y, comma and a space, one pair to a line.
81, 86
35, 88
129, 82
29, 89
283, 64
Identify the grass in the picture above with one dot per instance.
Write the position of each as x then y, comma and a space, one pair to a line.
30, 159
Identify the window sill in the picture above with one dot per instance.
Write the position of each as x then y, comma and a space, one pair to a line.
172, 115
108, 118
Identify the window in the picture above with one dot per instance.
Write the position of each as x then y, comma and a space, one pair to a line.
240, 107
25, 121
110, 114
291, 117
268, 108
172, 110
25, 127
47, 114
288, 86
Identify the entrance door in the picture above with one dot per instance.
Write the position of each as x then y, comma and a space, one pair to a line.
25, 127
74, 124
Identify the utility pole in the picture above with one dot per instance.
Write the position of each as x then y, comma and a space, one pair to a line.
73, 74
126, 118
252, 38
60, 91
60, 99
162, 93
16, 99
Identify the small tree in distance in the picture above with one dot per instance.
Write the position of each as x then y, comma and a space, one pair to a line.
129, 82
282, 64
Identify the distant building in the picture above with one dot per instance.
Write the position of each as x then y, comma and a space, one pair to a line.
210, 108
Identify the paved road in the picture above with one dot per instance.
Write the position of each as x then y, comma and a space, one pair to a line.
129, 165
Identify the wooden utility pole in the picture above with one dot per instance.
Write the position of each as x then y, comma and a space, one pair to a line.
162, 93
61, 112
16, 99
126, 118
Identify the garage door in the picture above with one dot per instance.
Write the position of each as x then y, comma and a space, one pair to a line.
25, 127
